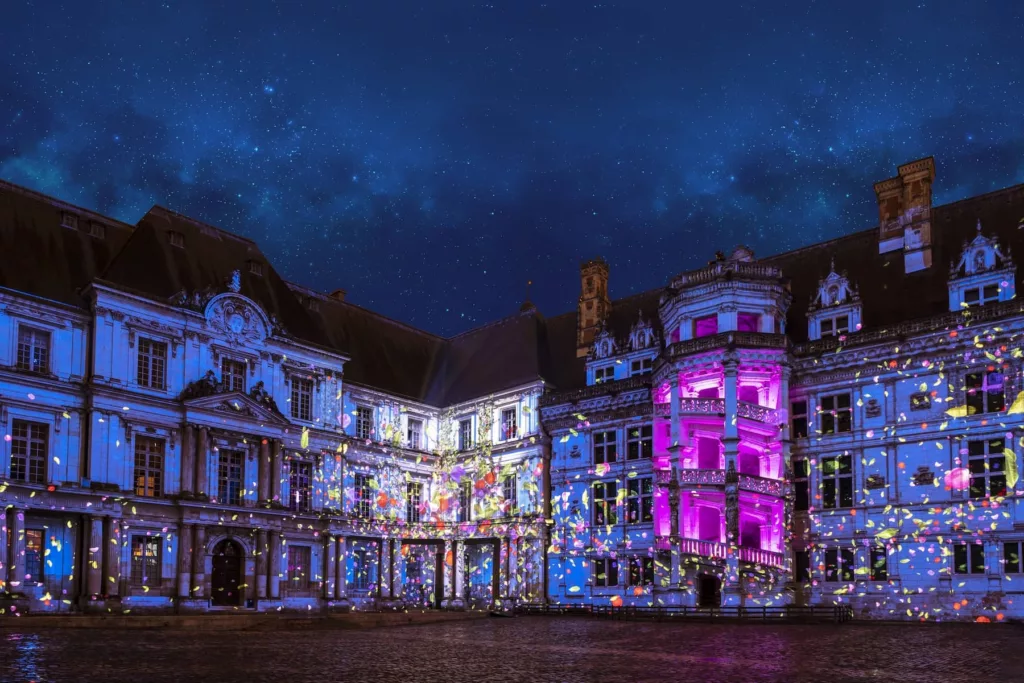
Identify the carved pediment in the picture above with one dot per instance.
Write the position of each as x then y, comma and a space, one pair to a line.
834, 290
238, 404
604, 344
238, 319
642, 335
980, 255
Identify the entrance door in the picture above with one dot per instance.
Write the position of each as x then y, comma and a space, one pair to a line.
227, 574
709, 591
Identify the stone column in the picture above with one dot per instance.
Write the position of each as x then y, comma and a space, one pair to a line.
503, 557
448, 572
674, 410
275, 471
396, 568
17, 554
274, 541
261, 564
730, 439
112, 559
263, 482
513, 561
199, 562
460, 572
188, 459
341, 568
202, 458
330, 568
185, 535
384, 568
5, 562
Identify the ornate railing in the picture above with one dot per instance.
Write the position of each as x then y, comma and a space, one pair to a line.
756, 412
750, 340
720, 269
662, 409
769, 487
765, 557
576, 395
692, 546
701, 406
701, 476
662, 477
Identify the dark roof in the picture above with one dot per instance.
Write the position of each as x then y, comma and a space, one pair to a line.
149, 264
39, 256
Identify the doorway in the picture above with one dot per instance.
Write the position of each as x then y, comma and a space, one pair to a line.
227, 574
709, 591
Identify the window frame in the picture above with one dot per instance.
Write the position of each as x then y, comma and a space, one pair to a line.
840, 564
832, 412
144, 568
608, 448
606, 572
604, 374
465, 501
417, 443
636, 438
982, 393
641, 366
153, 451
798, 418
300, 478
878, 563
971, 553
228, 374
842, 478
509, 431
154, 351
838, 326
801, 484
230, 461
38, 577
466, 442
640, 499
36, 458
364, 422
298, 577
605, 504
640, 572
413, 502
510, 485
987, 467
362, 494
300, 395
31, 348
1011, 548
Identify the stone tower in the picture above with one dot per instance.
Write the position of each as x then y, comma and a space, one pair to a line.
904, 214
594, 304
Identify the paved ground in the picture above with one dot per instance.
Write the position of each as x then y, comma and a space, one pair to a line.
525, 649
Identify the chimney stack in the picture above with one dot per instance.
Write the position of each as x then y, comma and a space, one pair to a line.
594, 304
338, 295
904, 214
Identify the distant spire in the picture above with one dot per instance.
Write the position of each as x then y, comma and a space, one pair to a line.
527, 304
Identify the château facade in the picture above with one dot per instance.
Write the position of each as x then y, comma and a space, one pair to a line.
186, 431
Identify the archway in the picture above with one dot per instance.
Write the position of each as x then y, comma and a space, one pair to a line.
226, 578
709, 591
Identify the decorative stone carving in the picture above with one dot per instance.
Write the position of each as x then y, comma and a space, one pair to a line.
642, 335
873, 408
981, 255
237, 320
259, 394
834, 290
575, 453
194, 301
207, 385
923, 476
604, 344
874, 481
234, 283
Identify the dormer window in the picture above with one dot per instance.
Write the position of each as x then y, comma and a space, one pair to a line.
69, 220
835, 327
835, 311
641, 366
255, 268
983, 275
605, 374
97, 230
979, 296
176, 239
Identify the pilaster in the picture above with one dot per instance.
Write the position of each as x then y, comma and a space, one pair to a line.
199, 561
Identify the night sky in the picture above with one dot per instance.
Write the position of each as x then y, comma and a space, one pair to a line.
431, 156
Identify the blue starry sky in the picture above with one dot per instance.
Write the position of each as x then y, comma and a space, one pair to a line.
430, 157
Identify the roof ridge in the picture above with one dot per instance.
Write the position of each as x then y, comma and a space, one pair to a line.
60, 203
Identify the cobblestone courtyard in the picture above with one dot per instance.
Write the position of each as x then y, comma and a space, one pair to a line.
526, 649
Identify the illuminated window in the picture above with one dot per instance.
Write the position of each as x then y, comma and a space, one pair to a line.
605, 493
145, 567
509, 491
149, 467
837, 481
639, 442
152, 364
801, 484
413, 501
606, 571
643, 366
29, 446
509, 426
229, 477
298, 567
1012, 558
300, 475
34, 554
798, 414
362, 495
985, 392
232, 374
302, 398
639, 500
364, 575
706, 326
364, 422
466, 434
747, 322
969, 558
835, 327
987, 464
466, 501
605, 374
979, 296
641, 571
879, 564
836, 416
605, 447
33, 349
839, 564
415, 433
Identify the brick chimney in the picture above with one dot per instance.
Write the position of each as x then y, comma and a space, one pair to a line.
594, 304
904, 214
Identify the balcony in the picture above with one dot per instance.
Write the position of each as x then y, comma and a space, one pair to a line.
691, 546
724, 340
746, 482
691, 477
765, 557
769, 487
720, 551
716, 407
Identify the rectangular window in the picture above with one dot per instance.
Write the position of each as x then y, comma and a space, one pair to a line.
364, 422
415, 434
298, 567
605, 493
605, 447
639, 500
706, 326
605, 374
255, 267
801, 484
606, 571
300, 476
839, 564
837, 481
413, 501
29, 446
979, 296
641, 571
642, 366
69, 220
835, 327
145, 569
879, 564
363, 576
798, 413
803, 566
639, 442
34, 554
176, 239
969, 558
836, 416
920, 401
985, 392
466, 501
747, 322
229, 477
987, 464
362, 495
466, 434
509, 490
232, 374
149, 467
302, 398
1012, 558
33, 349
152, 367
509, 424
